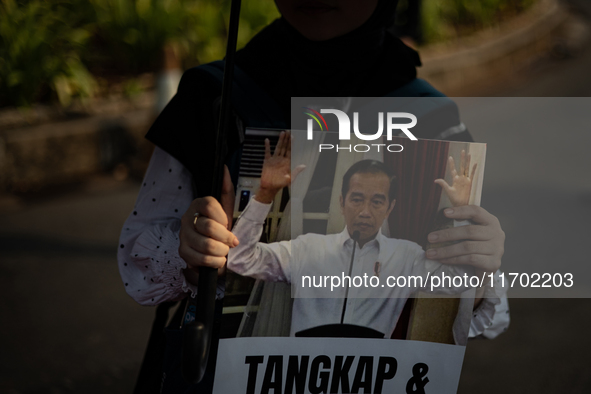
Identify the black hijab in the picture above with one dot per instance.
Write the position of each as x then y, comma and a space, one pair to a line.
368, 61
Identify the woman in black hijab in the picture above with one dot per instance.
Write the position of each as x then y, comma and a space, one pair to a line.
318, 48
327, 48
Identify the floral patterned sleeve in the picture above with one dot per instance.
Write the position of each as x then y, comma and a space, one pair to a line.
149, 262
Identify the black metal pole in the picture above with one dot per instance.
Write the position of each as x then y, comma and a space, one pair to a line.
197, 334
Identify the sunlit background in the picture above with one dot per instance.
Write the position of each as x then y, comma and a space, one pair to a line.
80, 83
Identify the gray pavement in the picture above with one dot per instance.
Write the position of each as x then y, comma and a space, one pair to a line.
68, 326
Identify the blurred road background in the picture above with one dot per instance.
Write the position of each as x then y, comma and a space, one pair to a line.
69, 327
546, 349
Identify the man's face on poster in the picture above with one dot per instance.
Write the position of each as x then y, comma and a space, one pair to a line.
366, 204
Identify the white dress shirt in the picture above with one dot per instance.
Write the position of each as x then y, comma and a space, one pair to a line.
321, 256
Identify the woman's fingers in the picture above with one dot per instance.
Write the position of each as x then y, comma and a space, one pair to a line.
195, 259
482, 243
480, 261
209, 246
474, 213
215, 231
482, 255
471, 232
205, 239
208, 207
462, 249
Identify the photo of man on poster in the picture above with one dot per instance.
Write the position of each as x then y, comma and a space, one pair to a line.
368, 196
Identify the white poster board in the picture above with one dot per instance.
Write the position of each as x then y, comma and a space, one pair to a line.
336, 365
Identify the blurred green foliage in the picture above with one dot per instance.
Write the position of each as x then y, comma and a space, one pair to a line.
47, 47
41, 43
447, 19
58, 50
132, 33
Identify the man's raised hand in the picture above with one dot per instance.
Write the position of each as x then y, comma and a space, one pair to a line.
459, 191
276, 172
